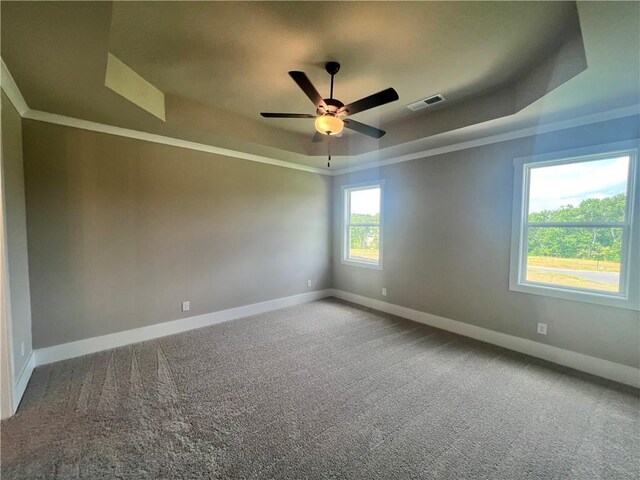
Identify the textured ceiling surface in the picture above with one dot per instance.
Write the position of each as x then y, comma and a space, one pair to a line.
221, 63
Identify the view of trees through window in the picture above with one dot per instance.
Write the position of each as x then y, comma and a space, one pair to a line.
364, 242
363, 224
576, 224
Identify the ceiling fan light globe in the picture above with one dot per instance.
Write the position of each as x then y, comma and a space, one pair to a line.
329, 125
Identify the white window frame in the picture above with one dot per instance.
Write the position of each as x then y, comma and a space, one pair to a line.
629, 296
346, 189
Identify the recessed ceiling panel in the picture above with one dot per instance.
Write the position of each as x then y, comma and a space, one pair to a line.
235, 56
219, 64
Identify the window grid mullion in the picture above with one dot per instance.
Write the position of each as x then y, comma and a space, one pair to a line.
363, 224
577, 225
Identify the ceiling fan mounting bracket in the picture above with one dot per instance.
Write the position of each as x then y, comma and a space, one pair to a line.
332, 68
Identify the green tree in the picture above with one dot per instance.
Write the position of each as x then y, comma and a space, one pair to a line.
365, 237
585, 243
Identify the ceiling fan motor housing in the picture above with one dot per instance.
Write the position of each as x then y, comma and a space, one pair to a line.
333, 106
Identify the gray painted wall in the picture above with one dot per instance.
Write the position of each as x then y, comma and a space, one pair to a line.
16, 233
447, 237
121, 231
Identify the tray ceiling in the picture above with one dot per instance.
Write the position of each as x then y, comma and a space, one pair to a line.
220, 63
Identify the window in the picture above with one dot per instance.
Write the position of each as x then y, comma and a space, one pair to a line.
573, 226
362, 225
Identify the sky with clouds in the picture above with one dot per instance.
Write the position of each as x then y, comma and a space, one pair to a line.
555, 186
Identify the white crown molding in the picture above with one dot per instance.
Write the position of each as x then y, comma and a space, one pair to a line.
578, 361
78, 348
9, 86
174, 142
22, 380
503, 137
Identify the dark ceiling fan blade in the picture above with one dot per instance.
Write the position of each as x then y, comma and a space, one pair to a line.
307, 87
375, 100
287, 115
362, 128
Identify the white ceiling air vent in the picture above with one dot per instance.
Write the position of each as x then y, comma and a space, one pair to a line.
426, 102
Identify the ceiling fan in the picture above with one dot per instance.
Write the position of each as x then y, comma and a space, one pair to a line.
331, 112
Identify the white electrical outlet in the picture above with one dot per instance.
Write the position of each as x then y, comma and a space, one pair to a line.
542, 328
384, 292
309, 283
185, 306
22, 349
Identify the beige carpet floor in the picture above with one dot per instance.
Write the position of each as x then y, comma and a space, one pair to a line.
319, 391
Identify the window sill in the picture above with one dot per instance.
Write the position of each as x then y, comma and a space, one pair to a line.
609, 300
355, 263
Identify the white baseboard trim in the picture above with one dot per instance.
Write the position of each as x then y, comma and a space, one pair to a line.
22, 380
585, 363
595, 366
56, 353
